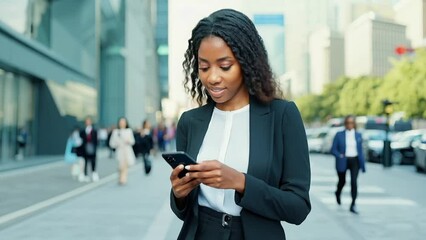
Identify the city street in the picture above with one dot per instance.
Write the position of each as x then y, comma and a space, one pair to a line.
392, 205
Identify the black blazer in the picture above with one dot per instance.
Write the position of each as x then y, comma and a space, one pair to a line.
83, 137
278, 176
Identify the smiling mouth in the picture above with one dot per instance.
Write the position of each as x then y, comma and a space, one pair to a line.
216, 92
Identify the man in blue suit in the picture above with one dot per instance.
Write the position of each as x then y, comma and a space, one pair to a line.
347, 149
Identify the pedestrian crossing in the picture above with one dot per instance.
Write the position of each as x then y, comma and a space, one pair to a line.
323, 187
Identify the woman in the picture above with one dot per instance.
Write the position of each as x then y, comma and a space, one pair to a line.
253, 163
347, 149
72, 152
145, 145
122, 140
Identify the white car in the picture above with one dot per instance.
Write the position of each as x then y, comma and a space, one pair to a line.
315, 138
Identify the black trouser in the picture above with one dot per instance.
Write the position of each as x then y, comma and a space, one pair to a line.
353, 166
214, 225
92, 160
146, 162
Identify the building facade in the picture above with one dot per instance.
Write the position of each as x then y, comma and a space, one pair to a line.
129, 83
56, 63
370, 43
162, 45
412, 14
327, 58
48, 73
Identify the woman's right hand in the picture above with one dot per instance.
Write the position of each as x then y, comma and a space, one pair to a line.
182, 186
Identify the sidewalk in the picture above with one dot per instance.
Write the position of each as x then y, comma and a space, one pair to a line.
139, 210
28, 162
391, 202
26, 186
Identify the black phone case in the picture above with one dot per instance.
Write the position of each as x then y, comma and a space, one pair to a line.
174, 159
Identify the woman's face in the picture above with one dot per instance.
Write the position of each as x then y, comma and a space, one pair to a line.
221, 74
350, 123
122, 123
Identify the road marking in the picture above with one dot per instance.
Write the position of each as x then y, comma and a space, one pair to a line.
60, 198
161, 224
363, 189
316, 179
373, 201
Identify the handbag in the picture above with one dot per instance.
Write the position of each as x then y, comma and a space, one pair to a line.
74, 150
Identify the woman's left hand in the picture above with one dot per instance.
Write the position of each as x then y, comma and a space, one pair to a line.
218, 175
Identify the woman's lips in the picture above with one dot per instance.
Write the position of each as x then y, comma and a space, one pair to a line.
216, 92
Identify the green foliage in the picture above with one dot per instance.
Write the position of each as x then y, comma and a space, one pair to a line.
311, 107
358, 96
405, 83
330, 99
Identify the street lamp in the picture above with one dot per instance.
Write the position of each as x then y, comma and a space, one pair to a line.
387, 152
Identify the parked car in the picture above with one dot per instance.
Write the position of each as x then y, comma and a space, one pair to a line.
420, 152
315, 138
402, 147
328, 139
374, 139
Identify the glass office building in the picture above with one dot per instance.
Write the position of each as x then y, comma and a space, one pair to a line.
57, 58
17, 95
162, 41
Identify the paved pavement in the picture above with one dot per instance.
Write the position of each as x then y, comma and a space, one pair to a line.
26, 186
392, 203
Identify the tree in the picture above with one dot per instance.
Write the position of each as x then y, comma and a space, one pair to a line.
406, 84
358, 95
309, 106
330, 99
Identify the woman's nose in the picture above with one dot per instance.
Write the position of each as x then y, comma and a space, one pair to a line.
214, 77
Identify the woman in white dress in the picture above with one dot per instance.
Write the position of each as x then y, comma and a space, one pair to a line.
122, 140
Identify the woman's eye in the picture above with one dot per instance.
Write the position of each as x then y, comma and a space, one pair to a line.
203, 69
226, 68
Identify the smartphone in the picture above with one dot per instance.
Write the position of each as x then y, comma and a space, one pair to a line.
174, 159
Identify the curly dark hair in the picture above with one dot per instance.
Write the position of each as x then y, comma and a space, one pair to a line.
240, 34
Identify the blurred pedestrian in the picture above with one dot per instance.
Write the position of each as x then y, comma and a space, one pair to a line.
253, 162
347, 149
145, 144
89, 137
171, 136
21, 140
161, 136
122, 141
73, 152
103, 137
111, 149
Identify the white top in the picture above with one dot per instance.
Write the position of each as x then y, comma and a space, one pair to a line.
227, 140
88, 129
122, 141
351, 150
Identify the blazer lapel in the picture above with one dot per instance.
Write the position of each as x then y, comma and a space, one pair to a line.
261, 139
344, 141
198, 129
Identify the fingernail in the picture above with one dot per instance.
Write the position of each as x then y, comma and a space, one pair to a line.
187, 174
187, 167
181, 166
